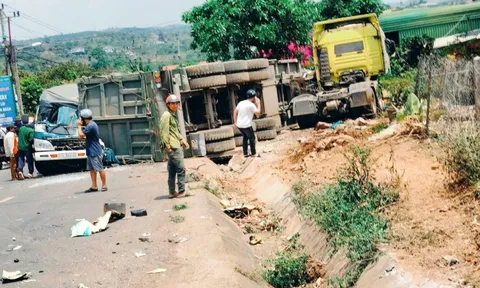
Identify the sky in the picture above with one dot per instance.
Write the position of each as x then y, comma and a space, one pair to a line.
69, 16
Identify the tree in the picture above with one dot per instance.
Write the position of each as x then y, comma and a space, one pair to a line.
102, 60
31, 91
223, 29
332, 9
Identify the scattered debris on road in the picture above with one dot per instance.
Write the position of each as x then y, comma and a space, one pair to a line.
16, 261
15, 276
85, 228
118, 210
145, 237
450, 260
178, 240
178, 207
158, 270
82, 286
17, 248
138, 212
140, 254
239, 211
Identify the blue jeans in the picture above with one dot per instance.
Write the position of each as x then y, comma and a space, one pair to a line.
21, 161
176, 168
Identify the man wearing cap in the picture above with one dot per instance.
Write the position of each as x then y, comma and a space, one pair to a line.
94, 149
173, 141
243, 116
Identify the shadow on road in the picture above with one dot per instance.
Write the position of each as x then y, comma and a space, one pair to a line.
163, 197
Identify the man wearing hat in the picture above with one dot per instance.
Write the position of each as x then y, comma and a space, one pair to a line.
94, 149
173, 141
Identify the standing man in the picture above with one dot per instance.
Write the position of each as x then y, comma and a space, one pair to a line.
173, 141
94, 149
243, 116
25, 149
11, 149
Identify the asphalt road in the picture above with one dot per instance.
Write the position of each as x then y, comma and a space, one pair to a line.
39, 213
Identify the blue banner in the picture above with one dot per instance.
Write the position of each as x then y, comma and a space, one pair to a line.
7, 101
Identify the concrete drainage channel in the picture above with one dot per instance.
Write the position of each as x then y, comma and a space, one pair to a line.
269, 189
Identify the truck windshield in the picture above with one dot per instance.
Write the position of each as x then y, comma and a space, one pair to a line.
58, 118
349, 47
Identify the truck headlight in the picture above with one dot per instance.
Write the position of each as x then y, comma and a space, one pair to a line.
43, 145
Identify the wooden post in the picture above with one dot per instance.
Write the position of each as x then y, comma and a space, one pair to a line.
476, 71
233, 104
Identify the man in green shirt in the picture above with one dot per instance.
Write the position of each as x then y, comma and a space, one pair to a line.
173, 141
25, 150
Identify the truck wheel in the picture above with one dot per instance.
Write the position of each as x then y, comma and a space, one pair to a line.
207, 82
238, 78
259, 75
235, 66
217, 147
205, 69
264, 124
218, 134
237, 132
307, 121
266, 134
256, 64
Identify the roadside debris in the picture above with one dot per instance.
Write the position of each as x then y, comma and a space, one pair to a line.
450, 260
15, 276
239, 211
16, 261
178, 240
118, 210
140, 254
85, 228
254, 240
82, 286
225, 203
138, 212
158, 270
322, 125
145, 237
178, 207
17, 248
192, 177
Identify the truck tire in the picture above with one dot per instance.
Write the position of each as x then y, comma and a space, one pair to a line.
205, 69
207, 82
264, 124
222, 146
238, 78
324, 66
237, 132
256, 64
239, 140
235, 66
307, 121
221, 133
259, 75
266, 134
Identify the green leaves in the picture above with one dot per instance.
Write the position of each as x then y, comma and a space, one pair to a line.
225, 29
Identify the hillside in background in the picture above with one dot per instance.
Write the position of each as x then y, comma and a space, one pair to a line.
116, 49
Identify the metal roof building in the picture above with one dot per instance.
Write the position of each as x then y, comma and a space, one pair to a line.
436, 22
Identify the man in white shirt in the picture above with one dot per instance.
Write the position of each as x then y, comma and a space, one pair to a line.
9, 144
243, 116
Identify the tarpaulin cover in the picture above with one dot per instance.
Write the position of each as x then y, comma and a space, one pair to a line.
61, 94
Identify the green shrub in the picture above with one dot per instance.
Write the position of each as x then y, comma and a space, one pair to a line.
288, 270
347, 210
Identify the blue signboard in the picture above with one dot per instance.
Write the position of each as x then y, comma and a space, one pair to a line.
7, 101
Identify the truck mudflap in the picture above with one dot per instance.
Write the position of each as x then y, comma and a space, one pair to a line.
305, 104
361, 94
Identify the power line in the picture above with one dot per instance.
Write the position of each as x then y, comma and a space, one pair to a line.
39, 22
36, 34
39, 57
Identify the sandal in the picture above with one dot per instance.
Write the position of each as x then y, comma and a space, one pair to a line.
187, 194
174, 195
91, 190
104, 189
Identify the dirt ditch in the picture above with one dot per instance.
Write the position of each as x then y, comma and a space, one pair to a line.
427, 224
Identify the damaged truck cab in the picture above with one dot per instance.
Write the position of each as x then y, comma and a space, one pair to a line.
58, 149
349, 55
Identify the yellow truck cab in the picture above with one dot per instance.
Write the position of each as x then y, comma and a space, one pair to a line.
349, 55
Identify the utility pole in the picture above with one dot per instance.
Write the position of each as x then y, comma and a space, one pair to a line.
12, 62
4, 38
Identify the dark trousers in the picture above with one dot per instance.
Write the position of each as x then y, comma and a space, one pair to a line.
248, 135
176, 169
21, 161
